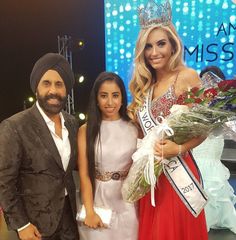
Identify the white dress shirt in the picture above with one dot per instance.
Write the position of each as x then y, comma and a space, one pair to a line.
62, 144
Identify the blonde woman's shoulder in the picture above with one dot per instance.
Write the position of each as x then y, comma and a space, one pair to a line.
189, 77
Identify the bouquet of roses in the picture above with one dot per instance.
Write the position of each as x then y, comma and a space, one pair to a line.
200, 111
219, 96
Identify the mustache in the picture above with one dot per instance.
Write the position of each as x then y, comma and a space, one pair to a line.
54, 96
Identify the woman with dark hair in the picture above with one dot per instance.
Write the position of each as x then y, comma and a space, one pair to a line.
106, 144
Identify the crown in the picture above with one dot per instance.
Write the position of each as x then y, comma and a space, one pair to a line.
155, 14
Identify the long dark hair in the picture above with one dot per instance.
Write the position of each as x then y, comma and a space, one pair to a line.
95, 117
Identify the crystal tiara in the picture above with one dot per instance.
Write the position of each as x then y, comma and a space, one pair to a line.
155, 14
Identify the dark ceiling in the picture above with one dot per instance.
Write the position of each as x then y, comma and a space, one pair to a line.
29, 29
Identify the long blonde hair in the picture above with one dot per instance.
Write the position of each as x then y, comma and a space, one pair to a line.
144, 75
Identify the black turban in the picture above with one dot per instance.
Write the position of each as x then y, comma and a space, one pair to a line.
52, 61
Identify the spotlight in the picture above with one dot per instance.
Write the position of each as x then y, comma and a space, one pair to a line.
81, 116
28, 102
79, 78
80, 44
31, 99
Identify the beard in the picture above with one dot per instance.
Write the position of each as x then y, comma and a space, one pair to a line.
49, 108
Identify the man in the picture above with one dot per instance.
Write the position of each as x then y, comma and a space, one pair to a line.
37, 156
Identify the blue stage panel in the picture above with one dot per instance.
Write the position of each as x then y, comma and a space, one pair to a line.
207, 29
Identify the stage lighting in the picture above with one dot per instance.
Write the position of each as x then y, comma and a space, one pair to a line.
31, 99
81, 79
82, 116
28, 102
80, 44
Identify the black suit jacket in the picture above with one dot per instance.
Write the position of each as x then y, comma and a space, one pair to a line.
32, 178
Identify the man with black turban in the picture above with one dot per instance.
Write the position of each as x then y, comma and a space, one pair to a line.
37, 156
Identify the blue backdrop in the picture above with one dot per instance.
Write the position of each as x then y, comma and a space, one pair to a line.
207, 29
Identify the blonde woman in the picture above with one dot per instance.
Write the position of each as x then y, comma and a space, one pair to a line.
159, 78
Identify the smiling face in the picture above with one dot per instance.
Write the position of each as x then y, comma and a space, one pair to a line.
109, 100
51, 93
158, 49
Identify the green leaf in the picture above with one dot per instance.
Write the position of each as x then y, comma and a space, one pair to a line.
232, 101
200, 92
189, 100
232, 90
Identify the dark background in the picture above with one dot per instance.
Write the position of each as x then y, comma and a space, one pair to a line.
29, 29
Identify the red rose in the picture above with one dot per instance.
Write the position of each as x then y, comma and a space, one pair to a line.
227, 84
197, 100
181, 99
210, 93
194, 90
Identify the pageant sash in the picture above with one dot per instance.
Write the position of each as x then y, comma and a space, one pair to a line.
145, 118
177, 172
185, 185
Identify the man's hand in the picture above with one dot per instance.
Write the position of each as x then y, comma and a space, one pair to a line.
29, 233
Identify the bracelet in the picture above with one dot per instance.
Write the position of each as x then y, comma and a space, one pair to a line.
180, 149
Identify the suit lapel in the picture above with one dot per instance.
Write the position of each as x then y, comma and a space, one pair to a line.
44, 134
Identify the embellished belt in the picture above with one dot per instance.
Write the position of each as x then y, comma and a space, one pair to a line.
107, 176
